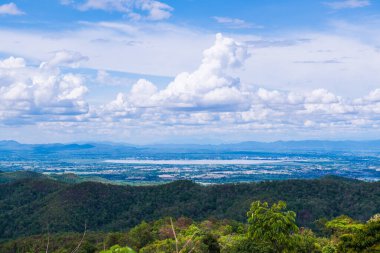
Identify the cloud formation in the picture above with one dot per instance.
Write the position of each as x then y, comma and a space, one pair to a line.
345, 56
64, 58
135, 9
348, 4
235, 23
10, 9
208, 88
210, 96
30, 94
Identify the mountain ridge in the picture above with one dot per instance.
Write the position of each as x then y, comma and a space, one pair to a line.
28, 205
303, 145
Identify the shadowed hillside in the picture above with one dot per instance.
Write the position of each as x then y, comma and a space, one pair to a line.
29, 205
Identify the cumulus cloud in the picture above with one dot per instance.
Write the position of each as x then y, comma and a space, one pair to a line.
135, 9
12, 63
348, 4
29, 94
373, 96
289, 55
209, 87
10, 9
211, 96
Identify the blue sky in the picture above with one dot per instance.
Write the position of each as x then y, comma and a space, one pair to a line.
273, 15
144, 71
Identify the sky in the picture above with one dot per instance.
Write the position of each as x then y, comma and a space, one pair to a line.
189, 71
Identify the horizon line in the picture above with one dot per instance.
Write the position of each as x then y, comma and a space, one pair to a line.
189, 143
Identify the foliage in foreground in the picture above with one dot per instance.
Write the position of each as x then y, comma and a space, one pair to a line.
118, 249
269, 229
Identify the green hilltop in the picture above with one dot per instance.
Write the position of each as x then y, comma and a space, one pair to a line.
29, 204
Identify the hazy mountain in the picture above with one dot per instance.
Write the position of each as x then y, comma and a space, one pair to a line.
278, 146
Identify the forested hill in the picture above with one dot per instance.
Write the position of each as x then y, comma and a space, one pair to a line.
30, 204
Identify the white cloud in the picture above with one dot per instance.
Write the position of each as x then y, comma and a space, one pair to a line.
374, 96
307, 65
10, 9
321, 96
65, 58
301, 60
287, 97
207, 88
235, 23
135, 9
348, 4
157, 10
142, 92
209, 96
107, 78
108, 46
12, 62
30, 94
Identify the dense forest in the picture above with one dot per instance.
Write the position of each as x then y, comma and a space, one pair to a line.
268, 229
34, 207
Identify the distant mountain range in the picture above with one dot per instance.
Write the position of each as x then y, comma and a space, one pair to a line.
278, 146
